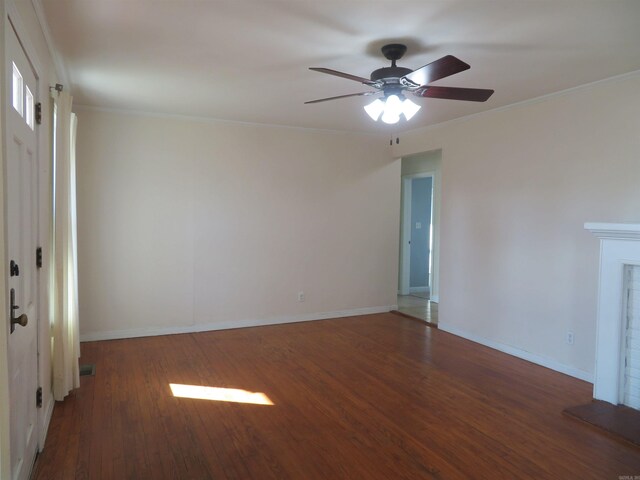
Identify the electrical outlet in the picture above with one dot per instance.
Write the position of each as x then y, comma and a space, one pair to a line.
301, 296
569, 339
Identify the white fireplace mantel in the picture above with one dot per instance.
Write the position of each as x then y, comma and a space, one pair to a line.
619, 246
614, 231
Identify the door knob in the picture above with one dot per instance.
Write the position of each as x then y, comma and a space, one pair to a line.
22, 320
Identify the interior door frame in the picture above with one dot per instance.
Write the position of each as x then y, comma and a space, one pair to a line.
405, 231
12, 20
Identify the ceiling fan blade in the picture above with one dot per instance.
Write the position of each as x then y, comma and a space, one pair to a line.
348, 76
436, 70
455, 93
342, 96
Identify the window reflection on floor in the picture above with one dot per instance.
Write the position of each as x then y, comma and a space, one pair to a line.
219, 394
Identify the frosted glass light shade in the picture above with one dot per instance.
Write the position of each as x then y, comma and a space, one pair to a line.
374, 109
409, 109
391, 109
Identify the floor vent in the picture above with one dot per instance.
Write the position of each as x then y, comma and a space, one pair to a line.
88, 369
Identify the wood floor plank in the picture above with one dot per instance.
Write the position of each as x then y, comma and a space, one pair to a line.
370, 397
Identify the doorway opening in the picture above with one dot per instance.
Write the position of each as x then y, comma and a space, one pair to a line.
419, 221
418, 232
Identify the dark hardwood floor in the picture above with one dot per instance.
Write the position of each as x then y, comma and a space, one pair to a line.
371, 397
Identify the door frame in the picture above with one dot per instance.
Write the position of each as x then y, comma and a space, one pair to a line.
12, 20
405, 231
5, 425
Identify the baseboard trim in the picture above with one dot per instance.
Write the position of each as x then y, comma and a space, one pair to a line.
206, 327
48, 413
517, 352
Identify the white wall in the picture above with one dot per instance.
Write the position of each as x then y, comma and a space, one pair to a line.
517, 267
186, 224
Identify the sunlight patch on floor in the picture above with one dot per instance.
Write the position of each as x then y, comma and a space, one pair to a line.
219, 394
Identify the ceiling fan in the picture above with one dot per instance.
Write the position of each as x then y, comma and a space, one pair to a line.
394, 83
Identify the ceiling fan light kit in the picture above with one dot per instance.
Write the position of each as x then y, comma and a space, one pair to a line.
391, 109
395, 82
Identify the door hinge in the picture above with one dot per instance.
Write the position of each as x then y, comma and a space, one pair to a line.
39, 397
14, 269
38, 113
39, 257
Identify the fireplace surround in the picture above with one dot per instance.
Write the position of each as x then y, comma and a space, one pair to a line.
619, 250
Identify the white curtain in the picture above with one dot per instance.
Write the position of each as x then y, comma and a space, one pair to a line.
64, 263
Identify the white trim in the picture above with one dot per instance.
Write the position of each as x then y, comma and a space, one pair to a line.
206, 327
411, 176
619, 247
58, 62
517, 352
405, 237
195, 118
5, 421
434, 298
23, 36
529, 101
618, 231
48, 413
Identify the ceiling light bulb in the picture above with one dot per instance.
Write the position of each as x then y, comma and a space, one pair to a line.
392, 110
390, 118
409, 109
393, 105
374, 109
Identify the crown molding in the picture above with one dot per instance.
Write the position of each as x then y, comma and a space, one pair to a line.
222, 121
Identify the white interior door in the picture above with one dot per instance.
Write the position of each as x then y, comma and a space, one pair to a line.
22, 229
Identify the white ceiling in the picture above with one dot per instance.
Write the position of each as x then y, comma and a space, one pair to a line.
247, 60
